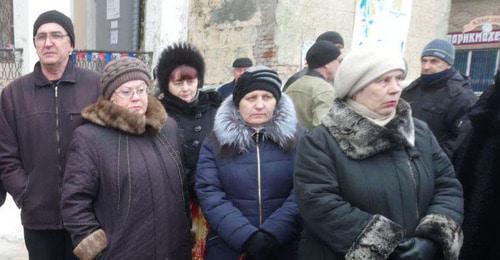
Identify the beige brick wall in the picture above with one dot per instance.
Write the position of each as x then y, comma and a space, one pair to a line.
272, 32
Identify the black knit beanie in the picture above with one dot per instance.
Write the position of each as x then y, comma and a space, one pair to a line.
54, 16
121, 71
331, 36
321, 53
258, 77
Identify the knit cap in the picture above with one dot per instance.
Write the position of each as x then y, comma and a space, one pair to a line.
440, 49
364, 65
331, 36
54, 16
120, 71
321, 53
258, 77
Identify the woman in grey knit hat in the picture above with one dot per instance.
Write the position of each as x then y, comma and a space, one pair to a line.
122, 195
371, 181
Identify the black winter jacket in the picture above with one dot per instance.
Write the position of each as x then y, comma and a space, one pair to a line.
362, 188
37, 119
124, 175
195, 121
479, 171
443, 105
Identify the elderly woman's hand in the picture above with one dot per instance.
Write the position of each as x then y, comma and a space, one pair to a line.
415, 248
91, 246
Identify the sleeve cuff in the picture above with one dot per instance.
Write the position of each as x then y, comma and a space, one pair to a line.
444, 231
377, 240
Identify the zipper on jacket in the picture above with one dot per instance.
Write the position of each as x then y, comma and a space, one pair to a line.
58, 135
259, 180
409, 161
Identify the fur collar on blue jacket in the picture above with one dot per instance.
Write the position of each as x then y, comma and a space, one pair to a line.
232, 132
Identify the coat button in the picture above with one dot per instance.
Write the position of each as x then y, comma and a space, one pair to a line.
198, 115
197, 128
196, 143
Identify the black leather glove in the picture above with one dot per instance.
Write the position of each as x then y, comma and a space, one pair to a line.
415, 248
260, 245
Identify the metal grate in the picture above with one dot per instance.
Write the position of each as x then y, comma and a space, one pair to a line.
11, 63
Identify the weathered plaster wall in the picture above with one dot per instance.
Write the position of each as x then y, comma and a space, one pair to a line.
273, 32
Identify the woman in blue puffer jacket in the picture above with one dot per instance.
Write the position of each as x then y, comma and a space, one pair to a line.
244, 177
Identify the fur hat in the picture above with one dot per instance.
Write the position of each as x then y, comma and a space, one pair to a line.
321, 53
121, 71
331, 36
258, 77
440, 49
174, 56
54, 16
362, 66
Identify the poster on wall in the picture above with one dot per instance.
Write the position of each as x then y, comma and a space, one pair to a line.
112, 9
382, 23
305, 47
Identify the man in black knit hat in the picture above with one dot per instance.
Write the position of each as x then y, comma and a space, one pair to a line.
38, 113
312, 94
330, 36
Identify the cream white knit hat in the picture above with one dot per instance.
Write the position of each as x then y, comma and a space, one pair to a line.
362, 66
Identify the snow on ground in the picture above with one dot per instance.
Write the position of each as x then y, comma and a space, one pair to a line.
11, 233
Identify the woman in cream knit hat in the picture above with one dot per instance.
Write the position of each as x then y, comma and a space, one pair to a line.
371, 181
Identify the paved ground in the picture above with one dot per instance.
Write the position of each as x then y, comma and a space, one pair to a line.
11, 233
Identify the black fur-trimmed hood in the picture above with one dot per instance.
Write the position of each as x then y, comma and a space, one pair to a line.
360, 138
230, 129
107, 114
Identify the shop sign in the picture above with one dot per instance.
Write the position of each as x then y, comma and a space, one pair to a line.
474, 37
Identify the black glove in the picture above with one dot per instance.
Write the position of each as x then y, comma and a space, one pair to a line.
260, 245
415, 248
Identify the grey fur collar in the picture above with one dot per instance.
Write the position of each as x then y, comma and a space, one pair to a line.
230, 129
107, 114
359, 138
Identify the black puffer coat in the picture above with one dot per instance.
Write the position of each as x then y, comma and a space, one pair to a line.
479, 171
124, 175
195, 121
361, 188
443, 105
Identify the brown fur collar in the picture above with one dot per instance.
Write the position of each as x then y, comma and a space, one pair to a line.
107, 114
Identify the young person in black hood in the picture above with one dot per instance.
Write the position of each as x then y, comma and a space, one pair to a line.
441, 96
180, 73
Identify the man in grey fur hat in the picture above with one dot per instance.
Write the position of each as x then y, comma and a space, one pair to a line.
38, 113
441, 96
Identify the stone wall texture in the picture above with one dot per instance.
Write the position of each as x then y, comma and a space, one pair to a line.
272, 32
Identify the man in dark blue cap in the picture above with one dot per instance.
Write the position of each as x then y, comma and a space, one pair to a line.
441, 96
240, 65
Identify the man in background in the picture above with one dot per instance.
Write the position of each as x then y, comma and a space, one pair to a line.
331, 36
240, 65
